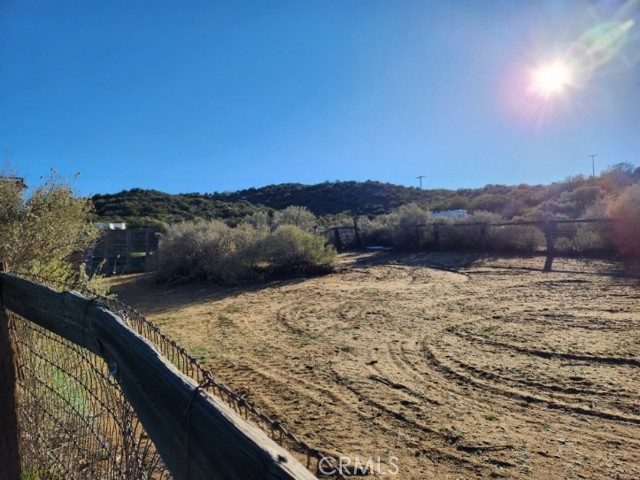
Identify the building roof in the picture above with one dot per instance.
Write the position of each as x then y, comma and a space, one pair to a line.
18, 180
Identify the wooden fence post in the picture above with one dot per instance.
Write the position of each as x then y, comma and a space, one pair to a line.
336, 233
357, 232
9, 440
548, 235
483, 237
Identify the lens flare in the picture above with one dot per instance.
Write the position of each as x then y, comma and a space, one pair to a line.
551, 79
563, 73
604, 42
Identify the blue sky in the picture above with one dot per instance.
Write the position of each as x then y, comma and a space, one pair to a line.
218, 96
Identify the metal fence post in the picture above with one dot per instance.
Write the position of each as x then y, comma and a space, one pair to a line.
129, 248
9, 440
147, 250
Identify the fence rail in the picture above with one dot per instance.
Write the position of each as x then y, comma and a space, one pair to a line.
103, 394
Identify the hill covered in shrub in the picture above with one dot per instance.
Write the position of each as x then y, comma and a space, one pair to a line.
151, 208
575, 197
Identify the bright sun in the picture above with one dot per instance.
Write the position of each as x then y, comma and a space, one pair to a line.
551, 79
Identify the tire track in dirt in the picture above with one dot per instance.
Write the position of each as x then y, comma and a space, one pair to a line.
605, 437
554, 388
548, 354
460, 377
343, 361
432, 444
441, 443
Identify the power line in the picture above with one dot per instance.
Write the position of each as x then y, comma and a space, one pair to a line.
420, 177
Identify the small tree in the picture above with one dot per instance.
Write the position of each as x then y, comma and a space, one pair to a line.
46, 232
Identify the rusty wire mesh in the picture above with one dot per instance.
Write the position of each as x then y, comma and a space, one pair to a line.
77, 423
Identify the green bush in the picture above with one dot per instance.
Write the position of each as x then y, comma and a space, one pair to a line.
47, 232
290, 249
294, 215
211, 250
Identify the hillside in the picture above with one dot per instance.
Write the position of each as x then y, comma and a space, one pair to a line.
151, 208
330, 198
572, 198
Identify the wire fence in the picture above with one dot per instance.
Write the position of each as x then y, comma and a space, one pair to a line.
123, 251
563, 237
76, 422
589, 237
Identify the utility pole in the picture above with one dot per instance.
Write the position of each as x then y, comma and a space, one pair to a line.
593, 164
420, 177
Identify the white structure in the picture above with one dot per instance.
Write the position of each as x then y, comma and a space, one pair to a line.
111, 226
449, 214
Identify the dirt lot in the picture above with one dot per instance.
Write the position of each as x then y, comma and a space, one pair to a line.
460, 366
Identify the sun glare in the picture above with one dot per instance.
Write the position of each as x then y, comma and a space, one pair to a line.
551, 79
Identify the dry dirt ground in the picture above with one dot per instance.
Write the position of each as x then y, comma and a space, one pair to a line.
461, 366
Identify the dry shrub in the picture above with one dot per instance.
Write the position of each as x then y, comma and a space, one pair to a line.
377, 230
624, 213
516, 238
291, 249
593, 238
230, 254
211, 250
207, 249
294, 215
459, 236
404, 228
409, 227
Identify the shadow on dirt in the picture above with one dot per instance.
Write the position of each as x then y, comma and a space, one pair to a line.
486, 263
144, 293
448, 261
